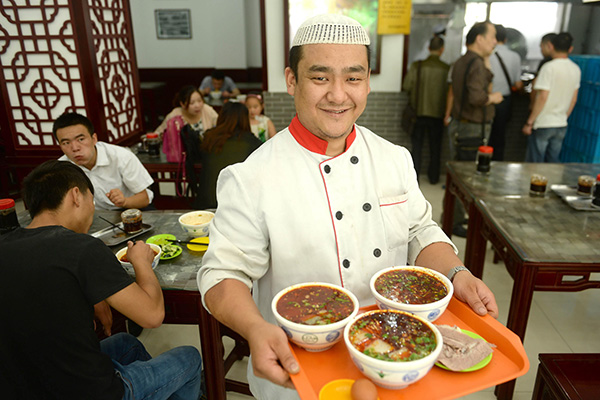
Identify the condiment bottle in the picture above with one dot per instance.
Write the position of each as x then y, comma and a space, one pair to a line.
596, 196
153, 144
8, 216
132, 220
484, 159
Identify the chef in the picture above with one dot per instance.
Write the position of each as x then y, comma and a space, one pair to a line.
324, 200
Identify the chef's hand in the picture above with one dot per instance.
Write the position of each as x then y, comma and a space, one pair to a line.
117, 197
475, 293
272, 358
104, 314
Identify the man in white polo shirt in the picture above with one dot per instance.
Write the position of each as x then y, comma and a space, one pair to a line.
556, 89
119, 178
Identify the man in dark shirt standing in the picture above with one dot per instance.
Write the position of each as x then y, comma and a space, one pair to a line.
473, 107
426, 81
473, 101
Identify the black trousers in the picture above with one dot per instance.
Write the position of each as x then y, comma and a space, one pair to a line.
433, 128
498, 135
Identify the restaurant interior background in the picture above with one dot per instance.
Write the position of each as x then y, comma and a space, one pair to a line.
232, 34
245, 38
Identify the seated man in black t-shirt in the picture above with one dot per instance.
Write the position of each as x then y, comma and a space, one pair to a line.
53, 277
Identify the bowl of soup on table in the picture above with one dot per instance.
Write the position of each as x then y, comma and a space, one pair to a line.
417, 290
392, 348
122, 256
313, 315
196, 223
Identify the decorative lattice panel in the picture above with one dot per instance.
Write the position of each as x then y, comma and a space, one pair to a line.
115, 57
67, 55
40, 67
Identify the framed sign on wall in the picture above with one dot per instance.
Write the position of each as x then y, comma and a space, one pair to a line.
173, 24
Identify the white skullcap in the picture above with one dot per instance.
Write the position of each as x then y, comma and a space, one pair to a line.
332, 29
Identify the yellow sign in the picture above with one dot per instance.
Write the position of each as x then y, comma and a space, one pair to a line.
394, 17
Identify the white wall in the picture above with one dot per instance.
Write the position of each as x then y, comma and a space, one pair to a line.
392, 47
225, 34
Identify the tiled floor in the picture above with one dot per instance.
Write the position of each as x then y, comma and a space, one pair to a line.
558, 323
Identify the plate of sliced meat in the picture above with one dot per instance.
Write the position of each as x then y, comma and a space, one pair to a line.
463, 351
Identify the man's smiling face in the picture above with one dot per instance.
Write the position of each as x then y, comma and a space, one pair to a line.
331, 89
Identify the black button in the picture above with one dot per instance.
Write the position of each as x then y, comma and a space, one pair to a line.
339, 215
346, 264
354, 160
367, 207
327, 169
377, 252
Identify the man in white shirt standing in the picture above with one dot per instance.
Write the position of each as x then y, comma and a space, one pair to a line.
338, 204
119, 178
506, 66
556, 89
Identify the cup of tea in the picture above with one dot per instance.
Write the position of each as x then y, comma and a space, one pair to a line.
538, 185
585, 183
132, 220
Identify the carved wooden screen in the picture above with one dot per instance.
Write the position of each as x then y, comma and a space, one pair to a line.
117, 68
65, 55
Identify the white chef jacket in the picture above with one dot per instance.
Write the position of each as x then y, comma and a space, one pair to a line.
291, 214
116, 168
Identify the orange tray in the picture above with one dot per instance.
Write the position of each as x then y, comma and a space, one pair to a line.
508, 362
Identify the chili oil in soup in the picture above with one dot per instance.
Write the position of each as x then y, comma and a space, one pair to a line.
410, 286
315, 305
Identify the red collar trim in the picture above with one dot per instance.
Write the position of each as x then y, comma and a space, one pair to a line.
310, 141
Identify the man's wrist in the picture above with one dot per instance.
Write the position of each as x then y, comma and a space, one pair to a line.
452, 273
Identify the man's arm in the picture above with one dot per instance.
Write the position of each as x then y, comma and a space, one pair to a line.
138, 200
467, 288
231, 303
141, 301
478, 92
205, 85
573, 101
449, 105
409, 80
541, 97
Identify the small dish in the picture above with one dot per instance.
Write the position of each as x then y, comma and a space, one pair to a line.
338, 389
475, 367
202, 246
164, 239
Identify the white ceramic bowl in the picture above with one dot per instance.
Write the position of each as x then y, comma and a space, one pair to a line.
196, 230
215, 94
392, 374
429, 311
128, 266
313, 337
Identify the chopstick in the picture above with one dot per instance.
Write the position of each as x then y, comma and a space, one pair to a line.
186, 242
114, 225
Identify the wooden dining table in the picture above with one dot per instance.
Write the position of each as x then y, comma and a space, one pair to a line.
546, 244
183, 303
